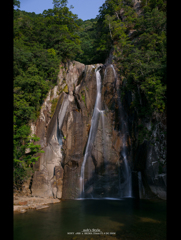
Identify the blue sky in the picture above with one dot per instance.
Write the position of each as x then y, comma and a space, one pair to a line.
85, 9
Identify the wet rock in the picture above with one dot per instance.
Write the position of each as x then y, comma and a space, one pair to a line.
32, 203
15, 208
59, 180
22, 211
41, 207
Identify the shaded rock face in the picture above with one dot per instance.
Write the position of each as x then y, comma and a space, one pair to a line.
147, 157
64, 138
150, 160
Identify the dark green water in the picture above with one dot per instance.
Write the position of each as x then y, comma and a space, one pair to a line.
128, 218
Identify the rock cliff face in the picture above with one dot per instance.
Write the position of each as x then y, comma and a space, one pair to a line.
64, 137
148, 153
149, 159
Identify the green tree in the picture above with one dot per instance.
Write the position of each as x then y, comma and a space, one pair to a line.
16, 3
141, 59
41, 43
143, 64
25, 154
87, 34
60, 3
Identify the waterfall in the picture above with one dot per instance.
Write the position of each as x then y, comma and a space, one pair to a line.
93, 128
104, 136
126, 186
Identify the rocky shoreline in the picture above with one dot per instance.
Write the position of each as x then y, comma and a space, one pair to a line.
22, 203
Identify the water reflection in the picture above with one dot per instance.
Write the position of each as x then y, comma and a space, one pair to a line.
128, 218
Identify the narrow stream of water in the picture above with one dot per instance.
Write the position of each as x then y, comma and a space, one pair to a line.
125, 186
93, 130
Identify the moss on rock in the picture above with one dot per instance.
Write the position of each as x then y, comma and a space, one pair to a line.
54, 105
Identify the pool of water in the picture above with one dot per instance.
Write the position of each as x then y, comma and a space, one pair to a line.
94, 219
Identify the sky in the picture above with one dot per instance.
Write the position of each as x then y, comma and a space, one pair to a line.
85, 9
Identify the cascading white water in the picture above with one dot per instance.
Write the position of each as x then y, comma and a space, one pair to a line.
104, 136
92, 132
126, 186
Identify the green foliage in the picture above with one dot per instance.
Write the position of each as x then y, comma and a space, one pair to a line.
66, 89
54, 104
142, 61
23, 159
143, 133
87, 34
83, 96
51, 52
41, 43
16, 3
159, 4
60, 3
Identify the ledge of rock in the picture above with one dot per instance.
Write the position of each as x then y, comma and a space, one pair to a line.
40, 207
22, 204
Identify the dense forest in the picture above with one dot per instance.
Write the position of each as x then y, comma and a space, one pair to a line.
43, 41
